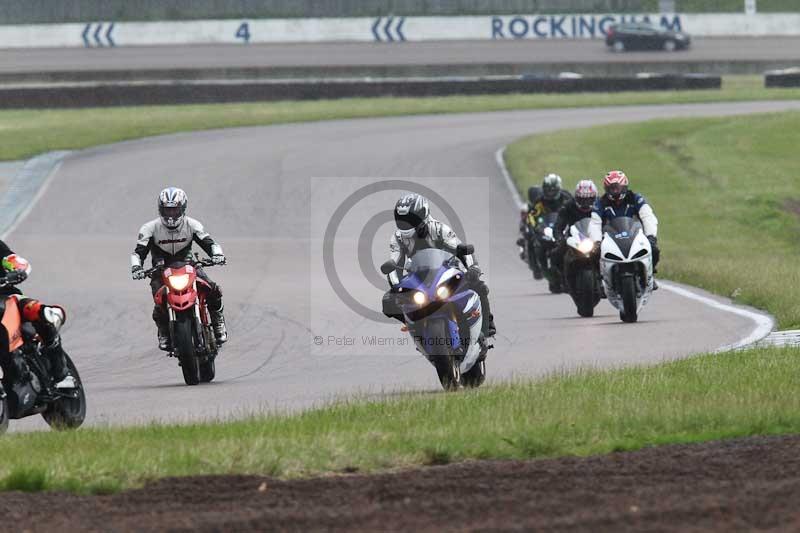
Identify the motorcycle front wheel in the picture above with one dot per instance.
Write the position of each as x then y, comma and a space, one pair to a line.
584, 288
68, 412
441, 354
628, 293
184, 343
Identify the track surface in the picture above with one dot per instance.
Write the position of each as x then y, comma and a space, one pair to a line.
377, 54
251, 187
736, 485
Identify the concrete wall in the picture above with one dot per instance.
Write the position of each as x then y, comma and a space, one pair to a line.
60, 11
382, 29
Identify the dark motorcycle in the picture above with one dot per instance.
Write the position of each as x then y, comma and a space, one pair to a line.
537, 243
191, 333
26, 384
581, 271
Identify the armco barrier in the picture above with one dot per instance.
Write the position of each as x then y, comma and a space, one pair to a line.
476, 69
128, 94
783, 78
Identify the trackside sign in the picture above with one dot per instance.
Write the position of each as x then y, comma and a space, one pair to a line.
388, 29
571, 26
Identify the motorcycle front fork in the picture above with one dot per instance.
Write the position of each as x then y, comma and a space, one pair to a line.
200, 341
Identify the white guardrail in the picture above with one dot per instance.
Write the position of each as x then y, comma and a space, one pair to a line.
383, 29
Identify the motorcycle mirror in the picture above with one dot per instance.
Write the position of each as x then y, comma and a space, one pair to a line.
465, 249
388, 267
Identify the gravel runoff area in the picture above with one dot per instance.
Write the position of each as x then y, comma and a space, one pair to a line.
740, 484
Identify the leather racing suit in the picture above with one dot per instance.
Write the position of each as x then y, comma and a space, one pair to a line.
167, 246
633, 205
45, 319
436, 234
568, 215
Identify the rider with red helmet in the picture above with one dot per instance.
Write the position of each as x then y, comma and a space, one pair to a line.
620, 201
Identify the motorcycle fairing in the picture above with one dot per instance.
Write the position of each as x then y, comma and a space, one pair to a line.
461, 309
633, 256
12, 325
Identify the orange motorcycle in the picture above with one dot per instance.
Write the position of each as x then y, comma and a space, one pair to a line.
26, 385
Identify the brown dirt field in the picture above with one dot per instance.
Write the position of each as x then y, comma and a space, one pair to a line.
740, 484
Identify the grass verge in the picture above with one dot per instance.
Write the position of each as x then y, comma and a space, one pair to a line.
583, 413
725, 191
25, 133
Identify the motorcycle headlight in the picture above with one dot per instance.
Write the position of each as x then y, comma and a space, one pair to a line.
179, 281
585, 246
420, 298
442, 292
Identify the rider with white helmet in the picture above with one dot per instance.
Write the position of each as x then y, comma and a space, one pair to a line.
168, 239
417, 230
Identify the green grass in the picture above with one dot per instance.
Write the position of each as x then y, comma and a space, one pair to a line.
580, 413
25, 133
726, 192
719, 187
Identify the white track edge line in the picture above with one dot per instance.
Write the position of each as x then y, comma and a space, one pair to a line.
764, 323
59, 159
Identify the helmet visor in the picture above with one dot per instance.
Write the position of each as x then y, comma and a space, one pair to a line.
171, 212
550, 192
585, 203
408, 222
616, 192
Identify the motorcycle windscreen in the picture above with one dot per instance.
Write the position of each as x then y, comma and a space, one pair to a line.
623, 230
582, 226
549, 220
426, 264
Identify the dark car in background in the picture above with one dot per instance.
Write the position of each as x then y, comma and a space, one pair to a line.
645, 36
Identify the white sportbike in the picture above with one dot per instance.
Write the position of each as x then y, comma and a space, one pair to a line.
626, 266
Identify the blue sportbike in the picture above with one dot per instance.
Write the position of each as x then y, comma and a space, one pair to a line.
443, 315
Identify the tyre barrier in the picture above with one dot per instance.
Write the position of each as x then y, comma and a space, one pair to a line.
155, 93
789, 77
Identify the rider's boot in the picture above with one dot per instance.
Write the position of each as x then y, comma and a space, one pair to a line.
163, 337
58, 364
218, 321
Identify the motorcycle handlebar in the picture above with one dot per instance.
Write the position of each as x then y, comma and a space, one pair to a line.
201, 262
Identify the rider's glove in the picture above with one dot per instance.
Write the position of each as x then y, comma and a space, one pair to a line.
16, 276
137, 272
548, 233
218, 259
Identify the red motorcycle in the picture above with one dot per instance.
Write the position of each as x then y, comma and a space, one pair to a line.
191, 333
26, 384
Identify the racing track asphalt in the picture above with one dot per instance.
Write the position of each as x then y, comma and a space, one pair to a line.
381, 54
252, 189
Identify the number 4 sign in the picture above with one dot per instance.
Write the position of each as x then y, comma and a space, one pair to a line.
243, 32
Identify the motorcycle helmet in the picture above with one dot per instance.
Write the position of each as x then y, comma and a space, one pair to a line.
585, 195
616, 185
172, 204
551, 186
410, 213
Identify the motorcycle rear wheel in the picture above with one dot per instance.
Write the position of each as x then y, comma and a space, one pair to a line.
184, 342
68, 413
475, 376
207, 371
628, 292
3, 415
